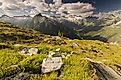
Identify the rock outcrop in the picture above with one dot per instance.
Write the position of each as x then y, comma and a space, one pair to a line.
104, 72
51, 64
28, 52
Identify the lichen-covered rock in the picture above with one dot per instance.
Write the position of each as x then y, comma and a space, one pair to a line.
54, 54
33, 51
29, 52
24, 51
104, 72
17, 45
51, 64
51, 53
74, 45
58, 49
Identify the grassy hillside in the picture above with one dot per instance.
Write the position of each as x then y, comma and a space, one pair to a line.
13, 34
106, 29
91, 28
111, 34
76, 67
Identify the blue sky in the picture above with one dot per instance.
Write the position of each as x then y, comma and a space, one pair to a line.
102, 5
108, 5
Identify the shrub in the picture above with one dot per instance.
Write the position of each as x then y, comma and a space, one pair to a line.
32, 63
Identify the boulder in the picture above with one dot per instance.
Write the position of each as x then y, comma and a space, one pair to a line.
33, 51
104, 72
74, 45
51, 53
54, 54
28, 52
58, 38
24, 51
46, 39
51, 64
17, 45
57, 50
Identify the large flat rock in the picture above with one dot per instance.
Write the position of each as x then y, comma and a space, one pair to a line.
51, 64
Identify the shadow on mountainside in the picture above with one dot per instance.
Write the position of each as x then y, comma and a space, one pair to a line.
56, 27
51, 27
85, 30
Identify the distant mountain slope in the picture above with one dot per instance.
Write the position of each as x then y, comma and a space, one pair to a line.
13, 34
111, 34
50, 26
91, 28
42, 24
107, 28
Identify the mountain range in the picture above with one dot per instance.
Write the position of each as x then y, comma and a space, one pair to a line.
95, 27
42, 24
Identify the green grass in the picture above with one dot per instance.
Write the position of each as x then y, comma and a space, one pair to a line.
32, 63
7, 58
110, 33
74, 68
12, 34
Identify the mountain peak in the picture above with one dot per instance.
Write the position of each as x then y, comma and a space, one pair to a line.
5, 16
38, 15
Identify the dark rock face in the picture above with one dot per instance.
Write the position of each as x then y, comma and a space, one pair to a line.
38, 15
104, 72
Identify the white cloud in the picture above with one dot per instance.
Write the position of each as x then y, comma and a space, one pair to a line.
1, 12
15, 7
29, 7
81, 7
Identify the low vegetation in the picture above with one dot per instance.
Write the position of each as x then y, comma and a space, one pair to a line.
76, 67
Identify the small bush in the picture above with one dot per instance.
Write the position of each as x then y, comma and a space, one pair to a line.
7, 58
32, 63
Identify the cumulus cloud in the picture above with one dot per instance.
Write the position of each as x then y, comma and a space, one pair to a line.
31, 7
15, 7
77, 8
